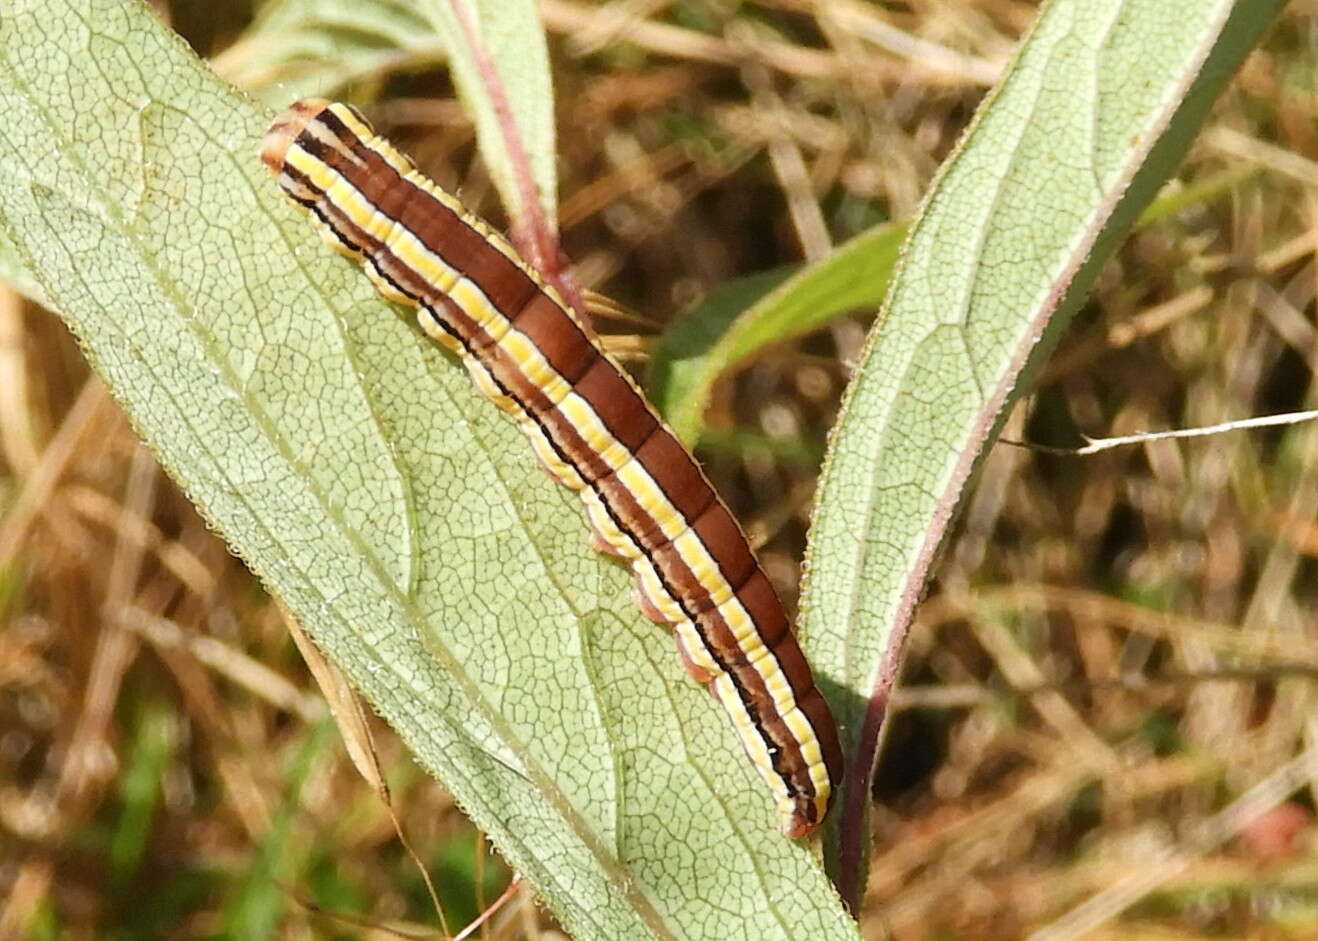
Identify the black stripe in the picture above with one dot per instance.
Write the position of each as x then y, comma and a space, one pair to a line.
318, 150
343, 229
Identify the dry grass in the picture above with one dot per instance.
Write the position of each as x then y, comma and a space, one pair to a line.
1109, 697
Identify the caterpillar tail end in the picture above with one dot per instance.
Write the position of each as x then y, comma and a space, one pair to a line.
794, 828
800, 816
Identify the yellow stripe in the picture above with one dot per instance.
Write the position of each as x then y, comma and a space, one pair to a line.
363, 214
752, 741
359, 128
587, 423
535, 367
467, 295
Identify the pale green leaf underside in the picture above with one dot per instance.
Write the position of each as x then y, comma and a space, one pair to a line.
395, 512
1087, 123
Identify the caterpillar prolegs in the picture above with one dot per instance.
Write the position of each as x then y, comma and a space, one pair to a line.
645, 496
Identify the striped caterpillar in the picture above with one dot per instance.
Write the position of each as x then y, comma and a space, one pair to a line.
646, 498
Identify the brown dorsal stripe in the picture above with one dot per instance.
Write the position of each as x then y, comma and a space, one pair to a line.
647, 499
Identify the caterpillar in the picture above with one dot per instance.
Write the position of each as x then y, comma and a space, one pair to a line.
646, 499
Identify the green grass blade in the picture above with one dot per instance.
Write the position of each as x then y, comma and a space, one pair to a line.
394, 511
1092, 117
734, 324
154, 745
252, 912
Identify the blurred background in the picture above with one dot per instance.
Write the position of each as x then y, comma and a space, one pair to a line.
1153, 606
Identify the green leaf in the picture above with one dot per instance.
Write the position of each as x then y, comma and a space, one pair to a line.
299, 48
1097, 109
394, 511
736, 322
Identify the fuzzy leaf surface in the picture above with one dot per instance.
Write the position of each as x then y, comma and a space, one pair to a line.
395, 512
1089, 120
